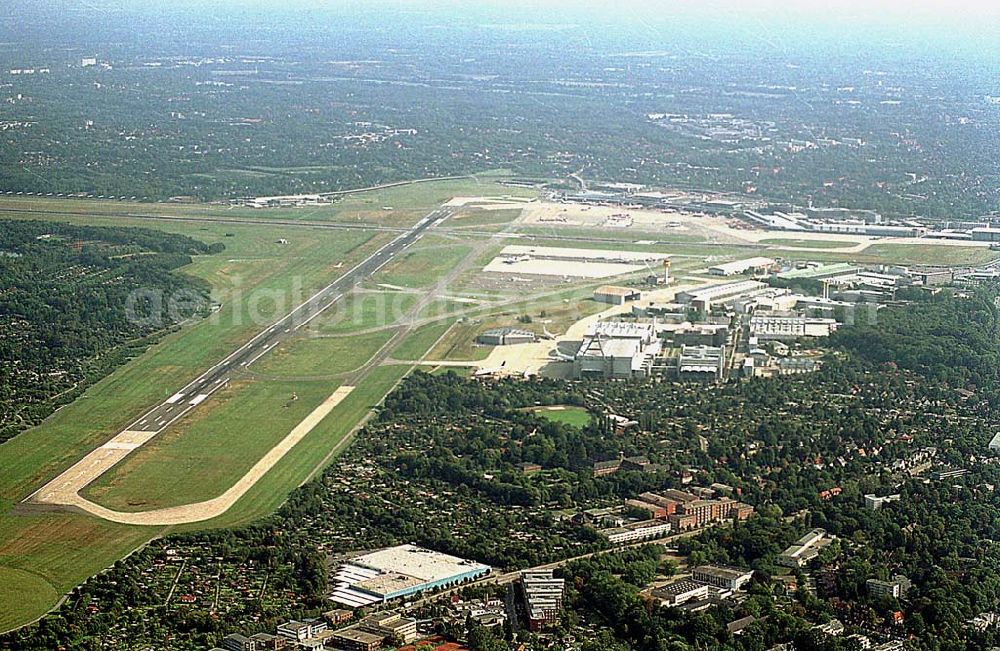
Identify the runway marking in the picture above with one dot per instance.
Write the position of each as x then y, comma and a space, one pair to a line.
260, 354
198, 399
119, 446
174, 398
335, 299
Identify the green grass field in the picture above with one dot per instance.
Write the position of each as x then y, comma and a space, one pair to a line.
809, 244
441, 309
423, 263
311, 454
247, 420
421, 339
321, 356
566, 414
364, 310
57, 551
24, 592
924, 254
893, 253
458, 344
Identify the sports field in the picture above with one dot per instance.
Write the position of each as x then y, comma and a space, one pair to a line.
565, 414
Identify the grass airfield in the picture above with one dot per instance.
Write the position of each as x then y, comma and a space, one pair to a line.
426, 305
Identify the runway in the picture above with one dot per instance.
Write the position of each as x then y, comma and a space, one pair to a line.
64, 489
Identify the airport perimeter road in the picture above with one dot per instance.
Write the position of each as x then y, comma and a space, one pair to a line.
195, 393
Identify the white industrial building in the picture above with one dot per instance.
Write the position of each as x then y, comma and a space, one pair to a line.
704, 298
986, 234
768, 326
804, 550
616, 349
644, 332
866, 279
681, 592
616, 295
283, 201
861, 228
741, 266
729, 578
703, 363
397, 572
825, 220
775, 300
505, 337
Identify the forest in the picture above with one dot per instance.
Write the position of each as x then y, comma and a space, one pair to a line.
64, 317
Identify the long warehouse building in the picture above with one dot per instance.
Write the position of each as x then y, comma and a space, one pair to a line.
397, 572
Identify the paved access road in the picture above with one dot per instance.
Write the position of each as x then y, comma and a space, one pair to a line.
64, 489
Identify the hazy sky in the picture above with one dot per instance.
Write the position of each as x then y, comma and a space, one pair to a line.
970, 26
943, 19
905, 10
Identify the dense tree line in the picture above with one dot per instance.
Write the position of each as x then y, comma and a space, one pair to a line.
65, 318
939, 336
